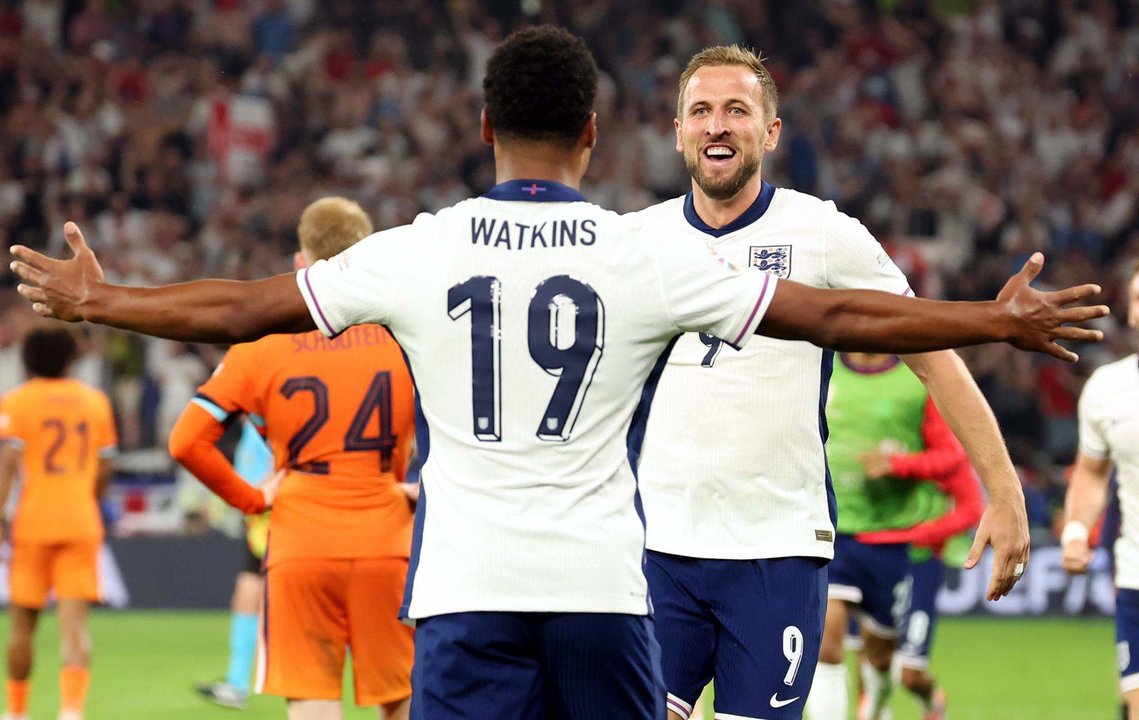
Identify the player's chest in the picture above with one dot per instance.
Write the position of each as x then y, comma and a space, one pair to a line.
776, 252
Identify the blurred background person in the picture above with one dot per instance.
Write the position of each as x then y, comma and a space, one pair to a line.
1109, 438
58, 435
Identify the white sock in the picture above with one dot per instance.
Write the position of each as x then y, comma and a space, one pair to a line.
828, 697
877, 684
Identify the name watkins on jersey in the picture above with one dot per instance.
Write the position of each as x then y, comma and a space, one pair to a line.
497, 233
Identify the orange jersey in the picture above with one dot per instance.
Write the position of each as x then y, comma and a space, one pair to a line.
340, 416
63, 427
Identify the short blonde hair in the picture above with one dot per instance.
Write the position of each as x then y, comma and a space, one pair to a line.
720, 55
331, 225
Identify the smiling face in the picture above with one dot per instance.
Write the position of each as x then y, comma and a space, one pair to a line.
723, 129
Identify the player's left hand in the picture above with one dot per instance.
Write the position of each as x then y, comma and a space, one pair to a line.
1004, 526
58, 288
271, 486
877, 464
1040, 318
410, 491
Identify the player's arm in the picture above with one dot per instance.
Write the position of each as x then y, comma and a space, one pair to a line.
10, 456
872, 321
219, 311
193, 443
1004, 525
1085, 501
103, 472
968, 507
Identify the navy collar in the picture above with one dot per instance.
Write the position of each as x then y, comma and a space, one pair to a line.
753, 213
534, 191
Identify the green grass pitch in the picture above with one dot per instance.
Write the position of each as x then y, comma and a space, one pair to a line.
993, 668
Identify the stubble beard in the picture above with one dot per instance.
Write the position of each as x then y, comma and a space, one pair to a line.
725, 188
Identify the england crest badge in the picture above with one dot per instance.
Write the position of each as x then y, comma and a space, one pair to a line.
774, 259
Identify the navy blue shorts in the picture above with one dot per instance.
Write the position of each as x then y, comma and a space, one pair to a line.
874, 577
536, 666
754, 625
917, 636
1127, 638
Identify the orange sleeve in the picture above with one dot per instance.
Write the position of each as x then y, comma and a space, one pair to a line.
10, 430
193, 444
228, 388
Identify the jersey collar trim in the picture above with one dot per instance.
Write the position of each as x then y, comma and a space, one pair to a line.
753, 213
866, 369
534, 191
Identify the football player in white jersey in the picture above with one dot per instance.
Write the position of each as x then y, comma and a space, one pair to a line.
535, 325
733, 472
1109, 436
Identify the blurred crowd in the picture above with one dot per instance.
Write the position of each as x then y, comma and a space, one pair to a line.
185, 136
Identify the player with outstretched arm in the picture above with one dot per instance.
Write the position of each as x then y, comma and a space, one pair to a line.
535, 325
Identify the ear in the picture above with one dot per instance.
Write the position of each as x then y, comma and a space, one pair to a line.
771, 137
679, 140
300, 262
589, 132
486, 132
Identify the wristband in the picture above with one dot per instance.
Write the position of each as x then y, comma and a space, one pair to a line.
1074, 530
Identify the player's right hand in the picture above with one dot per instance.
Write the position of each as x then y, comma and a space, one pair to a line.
1040, 318
1077, 556
58, 288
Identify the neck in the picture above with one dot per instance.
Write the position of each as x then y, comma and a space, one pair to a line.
538, 161
718, 213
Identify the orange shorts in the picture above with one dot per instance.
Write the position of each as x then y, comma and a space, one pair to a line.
317, 609
71, 569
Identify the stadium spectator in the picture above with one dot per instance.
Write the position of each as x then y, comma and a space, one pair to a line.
58, 435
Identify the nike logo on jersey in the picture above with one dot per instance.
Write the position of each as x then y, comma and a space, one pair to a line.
777, 703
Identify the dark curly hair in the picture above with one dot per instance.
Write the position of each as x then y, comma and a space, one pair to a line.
540, 84
48, 351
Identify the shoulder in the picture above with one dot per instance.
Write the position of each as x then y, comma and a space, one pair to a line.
670, 210
793, 199
801, 208
1110, 378
92, 396
244, 355
386, 244
13, 396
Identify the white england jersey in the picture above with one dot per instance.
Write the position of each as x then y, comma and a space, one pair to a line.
533, 322
1109, 428
733, 464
